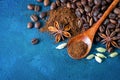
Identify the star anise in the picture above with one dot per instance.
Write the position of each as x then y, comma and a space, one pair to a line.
109, 39
59, 31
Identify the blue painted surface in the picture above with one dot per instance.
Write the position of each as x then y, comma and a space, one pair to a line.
20, 60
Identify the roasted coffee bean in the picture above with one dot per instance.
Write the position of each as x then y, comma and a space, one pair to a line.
106, 22
95, 19
78, 4
91, 4
83, 2
68, 5
30, 6
104, 8
37, 25
96, 12
35, 41
118, 21
77, 12
34, 18
39, 0
111, 26
37, 8
30, 25
43, 15
113, 21
86, 25
73, 5
53, 6
97, 2
112, 16
46, 2
118, 34
109, 1
104, 3
87, 9
63, 1
99, 15
91, 22
117, 10
58, 2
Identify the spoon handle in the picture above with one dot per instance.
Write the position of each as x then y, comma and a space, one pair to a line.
106, 13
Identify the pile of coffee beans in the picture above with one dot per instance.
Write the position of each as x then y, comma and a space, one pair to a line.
111, 23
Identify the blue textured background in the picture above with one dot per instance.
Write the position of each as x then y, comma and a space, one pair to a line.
20, 60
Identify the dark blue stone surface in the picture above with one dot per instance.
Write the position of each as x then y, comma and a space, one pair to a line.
20, 60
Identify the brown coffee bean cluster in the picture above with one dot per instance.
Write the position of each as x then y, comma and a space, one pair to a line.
111, 25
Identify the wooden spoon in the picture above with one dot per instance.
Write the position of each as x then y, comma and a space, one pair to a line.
87, 36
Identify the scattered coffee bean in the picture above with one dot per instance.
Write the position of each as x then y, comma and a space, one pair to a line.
30, 6
113, 21
112, 16
43, 15
87, 9
34, 18
117, 10
46, 2
37, 8
37, 25
30, 25
97, 2
63, 1
35, 41
39, 0
53, 6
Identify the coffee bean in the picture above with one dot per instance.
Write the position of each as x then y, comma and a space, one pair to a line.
117, 10
43, 15
80, 23
113, 21
37, 8
91, 22
73, 5
99, 15
86, 25
58, 2
77, 12
95, 18
30, 6
87, 9
112, 16
53, 6
35, 41
106, 22
34, 18
37, 25
104, 3
83, 2
103, 8
96, 12
118, 21
63, 1
109, 1
68, 5
46, 2
78, 4
111, 26
39, 0
97, 2
30, 25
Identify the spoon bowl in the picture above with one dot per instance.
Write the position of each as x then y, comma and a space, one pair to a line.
87, 36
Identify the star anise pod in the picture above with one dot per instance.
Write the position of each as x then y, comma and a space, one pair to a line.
59, 31
109, 39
